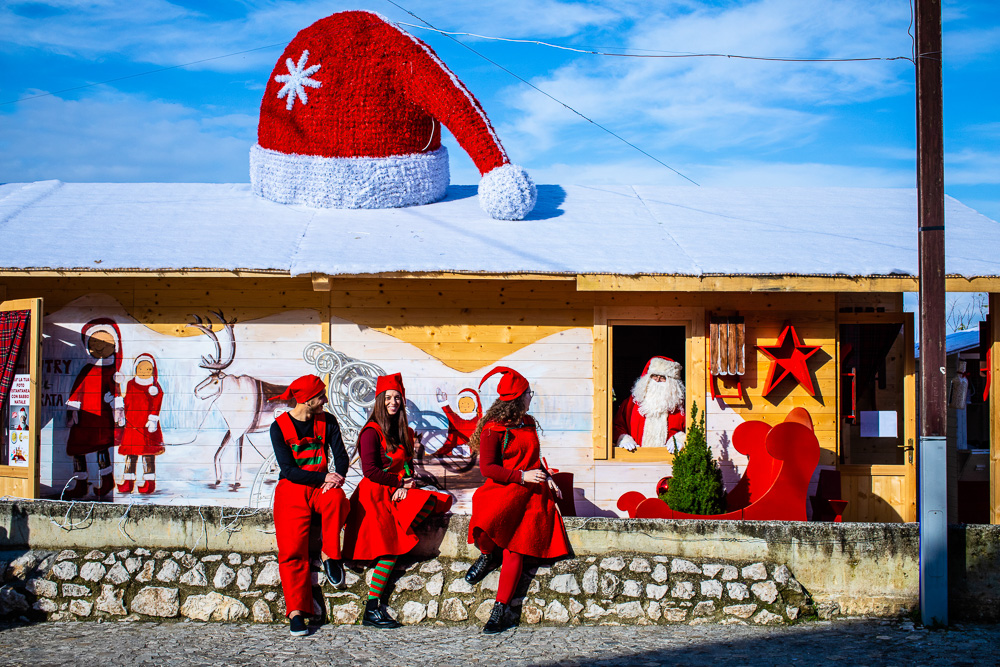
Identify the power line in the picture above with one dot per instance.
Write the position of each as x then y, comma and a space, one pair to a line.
652, 53
132, 76
528, 83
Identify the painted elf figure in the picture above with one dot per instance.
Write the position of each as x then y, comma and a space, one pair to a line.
460, 427
94, 407
304, 439
387, 505
654, 411
514, 512
142, 435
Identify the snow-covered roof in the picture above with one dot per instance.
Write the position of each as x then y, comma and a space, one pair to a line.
956, 341
625, 230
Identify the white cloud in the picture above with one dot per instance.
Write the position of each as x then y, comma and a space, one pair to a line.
972, 166
115, 137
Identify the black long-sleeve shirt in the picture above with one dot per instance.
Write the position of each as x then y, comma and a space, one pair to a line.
333, 442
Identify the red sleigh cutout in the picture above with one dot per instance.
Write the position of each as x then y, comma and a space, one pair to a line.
775, 485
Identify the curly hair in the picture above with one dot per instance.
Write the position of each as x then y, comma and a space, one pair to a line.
505, 412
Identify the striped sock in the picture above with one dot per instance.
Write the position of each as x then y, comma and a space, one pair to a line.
380, 576
424, 512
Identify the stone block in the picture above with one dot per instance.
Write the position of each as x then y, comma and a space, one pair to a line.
46, 605
223, 576
212, 558
737, 590
269, 575
110, 560
234, 559
169, 572
117, 574
92, 571
460, 566
594, 611
110, 601
411, 582
156, 601
147, 572
656, 592
765, 591
460, 586
491, 582
81, 607
729, 572
214, 607
564, 583
614, 563
574, 607
629, 610
610, 585
711, 569
132, 565
262, 612
249, 562
765, 617
141, 552
754, 572
345, 614
683, 590
75, 591
94, 554
431, 567
653, 612
675, 615
740, 610
711, 588
590, 580
452, 609
413, 612
263, 559
65, 554
632, 589
436, 584
43, 588
704, 608
160, 554
660, 573
432, 609
195, 576
680, 565
531, 614
640, 565
483, 610
792, 612
244, 578
556, 612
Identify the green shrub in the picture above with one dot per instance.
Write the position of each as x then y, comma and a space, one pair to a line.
696, 487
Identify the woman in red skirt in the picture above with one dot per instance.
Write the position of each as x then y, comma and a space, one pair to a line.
514, 512
387, 506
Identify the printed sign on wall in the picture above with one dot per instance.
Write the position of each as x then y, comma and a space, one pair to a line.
20, 438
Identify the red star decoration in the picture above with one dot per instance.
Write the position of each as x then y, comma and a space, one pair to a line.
788, 357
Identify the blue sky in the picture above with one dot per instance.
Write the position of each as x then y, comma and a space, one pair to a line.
719, 121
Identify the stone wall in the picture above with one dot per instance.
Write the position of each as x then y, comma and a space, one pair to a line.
139, 584
859, 569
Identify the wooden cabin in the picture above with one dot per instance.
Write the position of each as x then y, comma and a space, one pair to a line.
233, 297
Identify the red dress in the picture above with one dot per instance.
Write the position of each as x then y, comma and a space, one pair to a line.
141, 403
377, 526
521, 518
94, 430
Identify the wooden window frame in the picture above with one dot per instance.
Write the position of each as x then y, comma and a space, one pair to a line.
15, 480
605, 319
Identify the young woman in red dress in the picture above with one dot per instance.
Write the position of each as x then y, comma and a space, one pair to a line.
387, 505
514, 512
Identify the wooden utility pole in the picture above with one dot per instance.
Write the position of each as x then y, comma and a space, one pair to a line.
932, 457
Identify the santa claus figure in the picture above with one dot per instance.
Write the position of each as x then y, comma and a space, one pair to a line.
461, 424
142, 435
93, 407
654, 411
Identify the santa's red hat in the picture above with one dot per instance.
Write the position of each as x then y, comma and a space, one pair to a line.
664, 366
154, 386
511, 385
386, 382
107, 325
302, 389
351, 118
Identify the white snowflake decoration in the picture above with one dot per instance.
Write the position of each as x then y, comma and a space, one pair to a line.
296, 80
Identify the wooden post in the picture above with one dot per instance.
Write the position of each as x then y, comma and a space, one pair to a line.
994, 408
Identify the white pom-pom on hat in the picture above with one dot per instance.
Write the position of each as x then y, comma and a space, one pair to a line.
507, 193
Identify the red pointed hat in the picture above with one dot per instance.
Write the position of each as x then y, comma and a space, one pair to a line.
511, 385
351, 118
664, 366
387, 382
302, 389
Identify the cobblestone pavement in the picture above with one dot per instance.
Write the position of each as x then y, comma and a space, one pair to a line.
190, 643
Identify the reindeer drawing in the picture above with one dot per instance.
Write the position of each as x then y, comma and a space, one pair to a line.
242, 400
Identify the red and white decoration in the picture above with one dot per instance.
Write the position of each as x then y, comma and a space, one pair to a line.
654, 411
351, 118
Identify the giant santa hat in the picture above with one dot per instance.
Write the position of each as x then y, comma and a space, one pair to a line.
351, 118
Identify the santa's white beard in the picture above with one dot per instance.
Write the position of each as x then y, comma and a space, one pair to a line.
656, 401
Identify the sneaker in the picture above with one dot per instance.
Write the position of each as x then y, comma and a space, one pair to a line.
485, 564
499, 620
297, 626
333, 568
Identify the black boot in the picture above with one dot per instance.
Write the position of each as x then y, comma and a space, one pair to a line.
499, 619
376, 617
485, 564
333, 568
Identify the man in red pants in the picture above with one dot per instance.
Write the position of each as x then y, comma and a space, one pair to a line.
304, 439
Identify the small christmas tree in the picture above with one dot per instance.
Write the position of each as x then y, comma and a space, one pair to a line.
696, 487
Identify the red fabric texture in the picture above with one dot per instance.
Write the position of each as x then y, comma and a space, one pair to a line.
377, 526
523, 519
95, 427
382, 92
510, 575
511, 385
386, 382
140, 404
374, 465
629, 420
305, 450
13, 324
302, 389
294, 505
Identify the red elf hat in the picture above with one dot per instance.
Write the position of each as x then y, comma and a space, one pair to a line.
302, 389
511, 385
351, 118
386, 382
